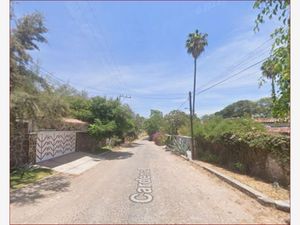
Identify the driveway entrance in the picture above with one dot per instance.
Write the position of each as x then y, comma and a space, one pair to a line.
74, 163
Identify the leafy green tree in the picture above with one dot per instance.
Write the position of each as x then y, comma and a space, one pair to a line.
264, 108
238, 109
124, 119
102, 113
25, 36
174, 120
154, 123
268, 71
31, 97
100, 130
80, 108
280, 55
195, 45
139, 123
243, 108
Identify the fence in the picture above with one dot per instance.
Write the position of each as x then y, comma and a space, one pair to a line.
179, 144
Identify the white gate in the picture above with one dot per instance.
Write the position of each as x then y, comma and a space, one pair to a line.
51, 144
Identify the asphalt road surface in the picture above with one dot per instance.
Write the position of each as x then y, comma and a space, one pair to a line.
138, 184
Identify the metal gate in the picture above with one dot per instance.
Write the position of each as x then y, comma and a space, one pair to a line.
51, 144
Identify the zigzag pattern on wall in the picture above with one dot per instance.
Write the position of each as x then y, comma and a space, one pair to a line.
51, 144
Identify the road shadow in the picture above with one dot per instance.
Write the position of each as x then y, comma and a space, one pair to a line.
131, 145
40, 189
116, 155
66, 159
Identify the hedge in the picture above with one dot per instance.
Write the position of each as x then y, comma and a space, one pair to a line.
243, 145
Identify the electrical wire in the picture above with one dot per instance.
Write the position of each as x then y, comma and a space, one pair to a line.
230, 77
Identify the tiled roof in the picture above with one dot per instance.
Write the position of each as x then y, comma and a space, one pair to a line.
266, 120
73, 121
285, 130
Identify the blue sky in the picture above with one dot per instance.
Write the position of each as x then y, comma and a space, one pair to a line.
138, 49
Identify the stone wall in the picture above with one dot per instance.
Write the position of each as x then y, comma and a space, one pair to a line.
255, 162
19, 144
32, 148
86, 143
277, 172
244, 158
23, 145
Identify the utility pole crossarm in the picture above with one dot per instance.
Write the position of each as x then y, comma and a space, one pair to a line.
123, 96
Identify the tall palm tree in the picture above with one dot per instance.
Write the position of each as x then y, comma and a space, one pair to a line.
268, 71
195, 46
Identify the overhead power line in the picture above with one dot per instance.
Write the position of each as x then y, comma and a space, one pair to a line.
230, 77
60, 81
182, 104
243, 62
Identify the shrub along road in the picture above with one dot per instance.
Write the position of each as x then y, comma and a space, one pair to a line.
138, 184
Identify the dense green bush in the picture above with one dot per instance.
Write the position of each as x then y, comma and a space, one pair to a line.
215, 127
277, 145
242, 145
241, 135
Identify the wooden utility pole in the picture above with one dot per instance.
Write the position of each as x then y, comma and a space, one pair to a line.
192, 127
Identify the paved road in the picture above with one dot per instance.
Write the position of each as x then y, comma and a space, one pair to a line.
164, 188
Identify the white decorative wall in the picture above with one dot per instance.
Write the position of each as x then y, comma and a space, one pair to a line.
51, 144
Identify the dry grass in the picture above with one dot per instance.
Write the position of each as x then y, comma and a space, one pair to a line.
277, 193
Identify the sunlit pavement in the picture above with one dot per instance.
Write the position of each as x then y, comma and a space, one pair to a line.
141, 183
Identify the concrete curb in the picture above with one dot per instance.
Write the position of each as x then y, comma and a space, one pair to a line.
258, 196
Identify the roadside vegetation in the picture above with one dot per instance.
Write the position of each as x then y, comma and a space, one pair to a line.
261, 108
230, 136
23, 176
239, 144
36, 98
277, 66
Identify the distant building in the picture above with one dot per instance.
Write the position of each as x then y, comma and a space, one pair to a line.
274, 125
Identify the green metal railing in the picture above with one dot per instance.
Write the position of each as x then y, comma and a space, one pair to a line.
179, 144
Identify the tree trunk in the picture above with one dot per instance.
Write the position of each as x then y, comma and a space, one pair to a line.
194, 91
273, 90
